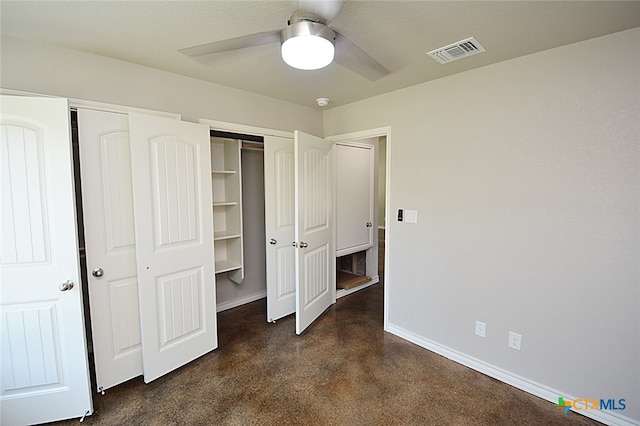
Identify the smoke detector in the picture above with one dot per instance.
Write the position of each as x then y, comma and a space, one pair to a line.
457, 50
323, 102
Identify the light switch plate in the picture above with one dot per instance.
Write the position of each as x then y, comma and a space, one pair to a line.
411, 216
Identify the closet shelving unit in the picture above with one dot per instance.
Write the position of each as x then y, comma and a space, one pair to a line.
226, 187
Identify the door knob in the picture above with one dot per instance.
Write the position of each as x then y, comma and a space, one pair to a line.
98, 272
303, 244
273, 241
369, 224
66, 286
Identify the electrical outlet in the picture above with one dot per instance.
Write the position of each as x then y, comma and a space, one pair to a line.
515, 340
481, 328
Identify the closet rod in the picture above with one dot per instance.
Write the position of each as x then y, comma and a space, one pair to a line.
252, 148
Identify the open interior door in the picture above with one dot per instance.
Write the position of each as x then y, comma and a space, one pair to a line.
43, 348
279, 177
105, 162
171, 175
314, 252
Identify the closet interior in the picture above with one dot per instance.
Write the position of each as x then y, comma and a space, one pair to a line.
237, 186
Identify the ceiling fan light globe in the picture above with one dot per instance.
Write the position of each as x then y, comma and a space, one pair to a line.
308, 52
307, 45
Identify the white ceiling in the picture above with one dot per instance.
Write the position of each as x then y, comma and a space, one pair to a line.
396, 33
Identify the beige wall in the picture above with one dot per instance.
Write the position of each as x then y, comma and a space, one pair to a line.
526, 177
48, 70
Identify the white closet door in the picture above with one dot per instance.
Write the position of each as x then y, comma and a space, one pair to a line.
171, 174
279, 178
314, 255
43, 348
354, 198
107, 200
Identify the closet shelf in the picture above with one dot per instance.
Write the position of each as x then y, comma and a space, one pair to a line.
226, 265
226, 188
225, 235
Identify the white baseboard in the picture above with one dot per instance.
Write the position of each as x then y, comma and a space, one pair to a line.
514, 380
240, 301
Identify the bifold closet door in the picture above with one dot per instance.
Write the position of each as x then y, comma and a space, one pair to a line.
314, 253
105, 164
171, 175
45, 374
299, 227
279, 177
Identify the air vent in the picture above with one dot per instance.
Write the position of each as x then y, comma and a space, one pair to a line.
458, 50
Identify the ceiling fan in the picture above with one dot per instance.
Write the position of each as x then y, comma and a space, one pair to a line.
302, 42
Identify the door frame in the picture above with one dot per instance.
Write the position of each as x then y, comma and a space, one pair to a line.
100, 106
244, 129
364, 134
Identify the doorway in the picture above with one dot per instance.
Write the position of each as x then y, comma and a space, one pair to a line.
360, 212
382, 137
231, 291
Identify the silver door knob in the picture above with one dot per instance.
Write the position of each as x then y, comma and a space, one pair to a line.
303, 244
98, 272
66, 286
273, 241
369, 224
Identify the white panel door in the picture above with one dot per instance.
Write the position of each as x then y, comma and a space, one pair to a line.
107, 200
314, 255
354, 198
171, 175
43, 348
279, 178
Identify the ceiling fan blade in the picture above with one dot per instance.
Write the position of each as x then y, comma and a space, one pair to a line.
326, 10
357, 60
241, 42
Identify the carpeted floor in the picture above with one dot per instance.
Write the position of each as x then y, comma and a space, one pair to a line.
344, 370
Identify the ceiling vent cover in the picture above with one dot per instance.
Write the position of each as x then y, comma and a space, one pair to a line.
458, 50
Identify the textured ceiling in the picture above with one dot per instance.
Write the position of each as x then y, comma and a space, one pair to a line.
396, 33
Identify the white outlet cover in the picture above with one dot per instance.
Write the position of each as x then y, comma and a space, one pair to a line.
515, 340
481, 328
